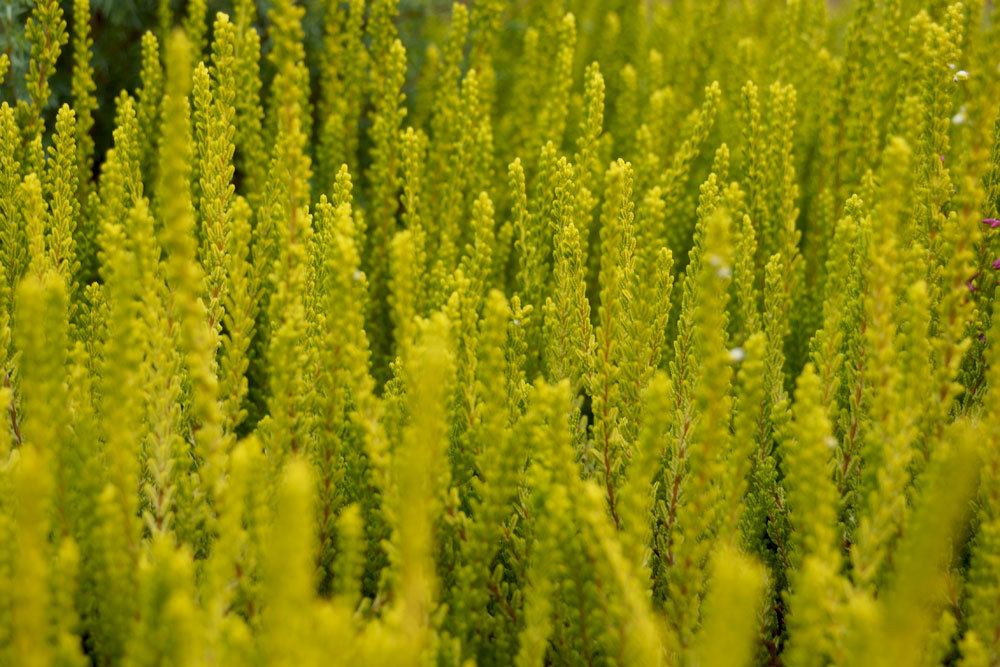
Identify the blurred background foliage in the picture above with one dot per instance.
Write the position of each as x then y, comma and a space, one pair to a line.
117, 27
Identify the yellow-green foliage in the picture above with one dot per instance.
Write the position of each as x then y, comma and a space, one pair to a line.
563, 332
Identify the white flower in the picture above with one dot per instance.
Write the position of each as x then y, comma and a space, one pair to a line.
357, 275
724, 272
961, 75
960, 117
737, 354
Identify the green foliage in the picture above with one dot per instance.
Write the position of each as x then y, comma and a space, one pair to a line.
561, 332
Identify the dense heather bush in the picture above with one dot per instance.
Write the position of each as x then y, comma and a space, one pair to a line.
580, 332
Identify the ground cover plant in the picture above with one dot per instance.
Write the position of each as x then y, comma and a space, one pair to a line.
550, 332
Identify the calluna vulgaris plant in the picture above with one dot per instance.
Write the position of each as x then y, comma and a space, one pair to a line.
585, 332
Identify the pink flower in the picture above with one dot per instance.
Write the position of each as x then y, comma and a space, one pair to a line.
992, 222
996, 264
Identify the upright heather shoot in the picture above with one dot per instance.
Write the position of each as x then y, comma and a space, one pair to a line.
526, 333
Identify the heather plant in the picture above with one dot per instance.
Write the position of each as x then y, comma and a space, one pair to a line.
567, 332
